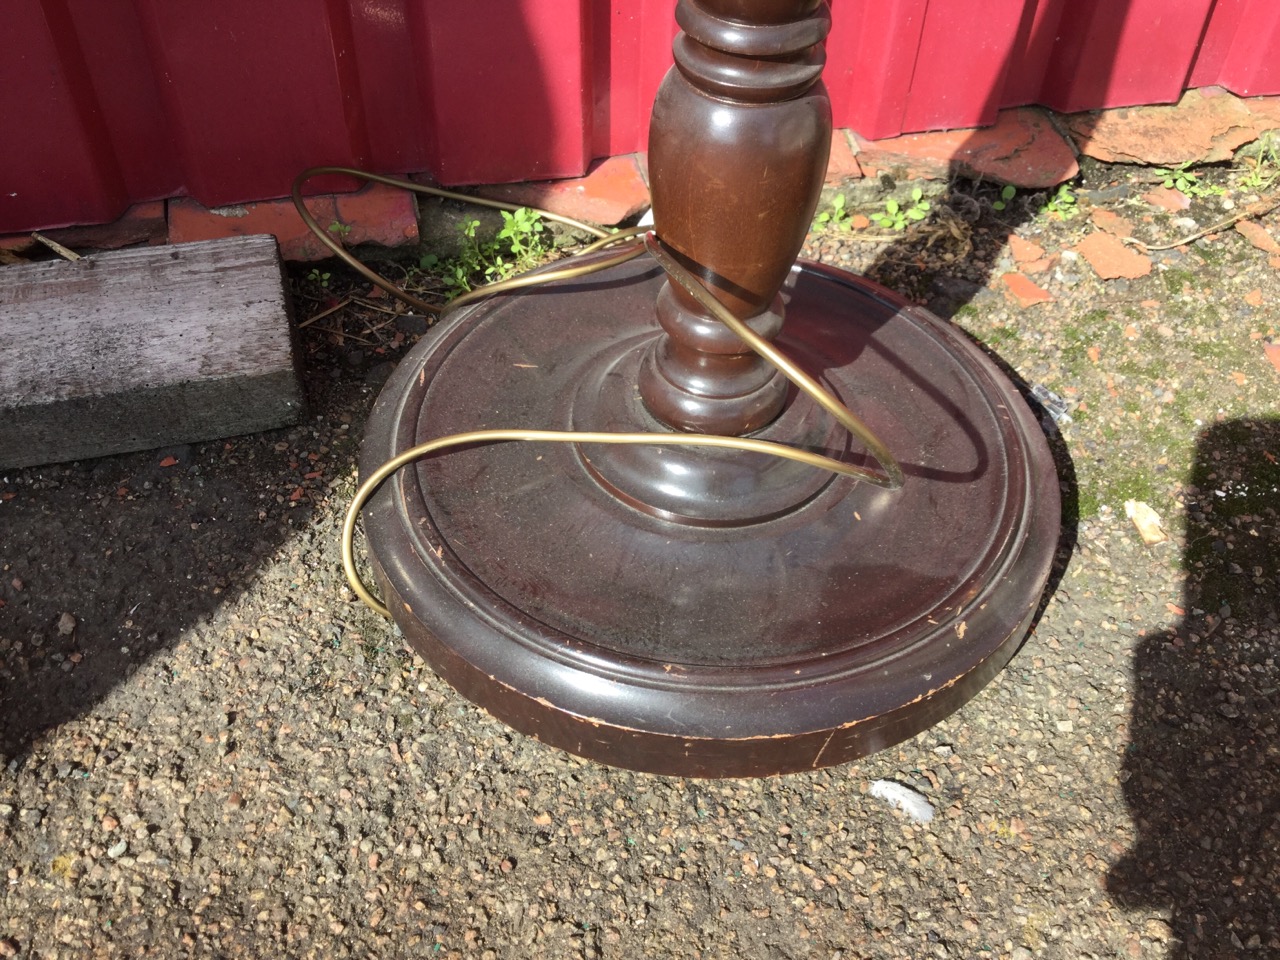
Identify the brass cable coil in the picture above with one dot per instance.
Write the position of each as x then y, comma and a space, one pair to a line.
891, 478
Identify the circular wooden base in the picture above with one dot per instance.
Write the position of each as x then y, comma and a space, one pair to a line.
850, 619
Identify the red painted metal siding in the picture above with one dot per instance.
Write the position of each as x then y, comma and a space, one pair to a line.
111, 102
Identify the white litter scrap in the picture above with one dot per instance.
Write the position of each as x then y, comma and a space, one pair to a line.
1147, 521
911, 802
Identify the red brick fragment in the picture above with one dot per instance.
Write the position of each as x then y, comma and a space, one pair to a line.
1114, 224
611, 192
1021, 149
1111, 259
1024, 291
1258, 235
1024, 251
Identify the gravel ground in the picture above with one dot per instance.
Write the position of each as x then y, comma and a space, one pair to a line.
209, 748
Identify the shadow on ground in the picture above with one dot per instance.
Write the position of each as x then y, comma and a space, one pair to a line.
105, 563
1202, 775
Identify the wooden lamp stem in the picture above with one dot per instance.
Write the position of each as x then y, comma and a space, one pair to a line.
738, 149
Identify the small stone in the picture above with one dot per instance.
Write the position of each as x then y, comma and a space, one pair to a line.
116, 851
1065, 726
235, 801
109, 823
8, 948
31, 817
67, 624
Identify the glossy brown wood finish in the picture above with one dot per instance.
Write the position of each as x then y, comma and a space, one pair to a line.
845, 624
711, 613
737, 151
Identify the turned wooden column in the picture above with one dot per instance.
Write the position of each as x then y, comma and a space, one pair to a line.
738, 149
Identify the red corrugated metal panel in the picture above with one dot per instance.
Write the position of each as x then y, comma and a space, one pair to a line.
59, 156
949, 91
252, 90
1113, 53
871, 56
507, 87
631, 47
1241, 48
108, 102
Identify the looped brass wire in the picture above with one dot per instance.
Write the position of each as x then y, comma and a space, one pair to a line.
891, 478
378, 280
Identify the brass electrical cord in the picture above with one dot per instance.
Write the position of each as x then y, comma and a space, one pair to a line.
564, 273
846, 417
891, 479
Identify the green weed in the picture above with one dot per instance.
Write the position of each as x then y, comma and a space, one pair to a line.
837, 216
1006, 195
1062, 204
1263, 161
1186, 182
518, 246
896, 216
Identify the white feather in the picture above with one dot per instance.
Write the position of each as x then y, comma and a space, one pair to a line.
911, 802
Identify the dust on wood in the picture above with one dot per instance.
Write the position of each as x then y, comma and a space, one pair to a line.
140, 348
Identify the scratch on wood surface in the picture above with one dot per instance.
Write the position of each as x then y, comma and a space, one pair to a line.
823, 749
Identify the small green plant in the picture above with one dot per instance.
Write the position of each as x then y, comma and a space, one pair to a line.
518, 246
523, 231
1263, 161
315, 276
1062, 204
837, 216
1186, 182
896, 216
339, 229
1006, 195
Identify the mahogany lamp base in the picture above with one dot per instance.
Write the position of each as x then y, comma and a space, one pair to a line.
674, 612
